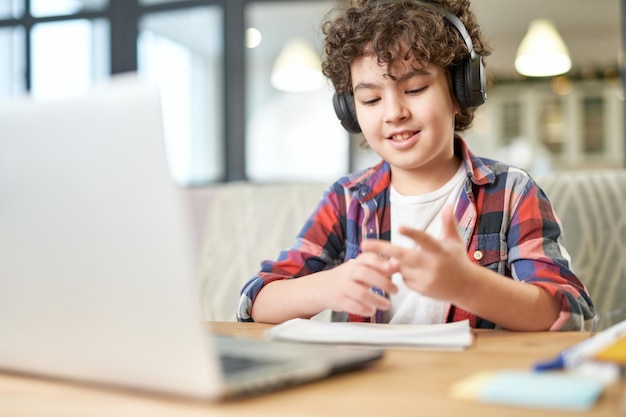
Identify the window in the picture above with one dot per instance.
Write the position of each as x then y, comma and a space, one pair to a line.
11, 9
12, 82
552, 125
43, 8
182, 51
593, 125
68, 56
55, 48
290, 135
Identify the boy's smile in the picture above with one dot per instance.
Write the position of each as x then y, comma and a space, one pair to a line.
407, 117
403, 140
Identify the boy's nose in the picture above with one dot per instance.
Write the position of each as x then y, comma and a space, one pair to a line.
396, 111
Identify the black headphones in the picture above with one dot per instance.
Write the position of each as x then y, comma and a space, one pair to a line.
469, 83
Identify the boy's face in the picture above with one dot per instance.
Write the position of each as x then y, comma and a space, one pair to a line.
406, 116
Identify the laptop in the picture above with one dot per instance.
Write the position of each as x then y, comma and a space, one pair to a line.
97, 262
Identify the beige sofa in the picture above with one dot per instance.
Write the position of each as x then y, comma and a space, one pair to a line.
246, 223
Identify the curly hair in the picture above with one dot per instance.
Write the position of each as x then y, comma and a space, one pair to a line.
398, 30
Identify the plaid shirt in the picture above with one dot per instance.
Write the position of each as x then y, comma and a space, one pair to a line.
506, 220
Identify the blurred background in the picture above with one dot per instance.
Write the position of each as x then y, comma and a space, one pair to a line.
244, 99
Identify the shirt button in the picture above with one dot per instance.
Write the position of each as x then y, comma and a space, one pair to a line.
478, 255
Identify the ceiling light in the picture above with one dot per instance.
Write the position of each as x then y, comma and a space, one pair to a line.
297, 68
253, 38
542, 52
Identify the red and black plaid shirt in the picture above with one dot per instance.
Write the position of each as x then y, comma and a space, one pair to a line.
506, 219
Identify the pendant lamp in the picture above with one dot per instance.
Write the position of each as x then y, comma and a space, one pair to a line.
297, 68
542, 52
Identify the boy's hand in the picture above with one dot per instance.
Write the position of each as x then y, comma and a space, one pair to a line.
348, 287
436, 267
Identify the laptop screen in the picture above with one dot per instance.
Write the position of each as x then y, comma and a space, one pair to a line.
97, 270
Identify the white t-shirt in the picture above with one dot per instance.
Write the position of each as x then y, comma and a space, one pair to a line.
420, 212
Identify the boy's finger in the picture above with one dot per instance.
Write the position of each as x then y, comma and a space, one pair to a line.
421, 238
380, 248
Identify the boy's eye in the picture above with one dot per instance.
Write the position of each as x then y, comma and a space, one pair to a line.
416, 90
370, 102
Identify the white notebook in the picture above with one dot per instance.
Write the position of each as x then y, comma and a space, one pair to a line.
448, 336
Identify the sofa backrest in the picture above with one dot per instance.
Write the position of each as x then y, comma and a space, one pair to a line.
592, 209
247, 223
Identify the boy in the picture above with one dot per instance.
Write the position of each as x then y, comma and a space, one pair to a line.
432, 233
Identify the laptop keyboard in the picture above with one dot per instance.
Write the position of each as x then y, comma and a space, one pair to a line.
232, 364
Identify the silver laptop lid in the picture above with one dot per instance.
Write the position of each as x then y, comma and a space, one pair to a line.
96, 263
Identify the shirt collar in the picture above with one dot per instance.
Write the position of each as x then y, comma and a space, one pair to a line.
369, 182
477, 171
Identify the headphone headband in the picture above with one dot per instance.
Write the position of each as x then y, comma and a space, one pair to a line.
455, 22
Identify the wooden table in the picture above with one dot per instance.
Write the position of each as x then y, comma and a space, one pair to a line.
405, 382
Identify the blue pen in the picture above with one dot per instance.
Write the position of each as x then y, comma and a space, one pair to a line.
378, 316
574, 355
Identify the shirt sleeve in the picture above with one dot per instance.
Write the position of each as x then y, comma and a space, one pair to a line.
538, 256
318, 246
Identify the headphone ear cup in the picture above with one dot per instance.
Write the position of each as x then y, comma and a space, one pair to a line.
476, 81
459, 85
469, 84
345, 111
